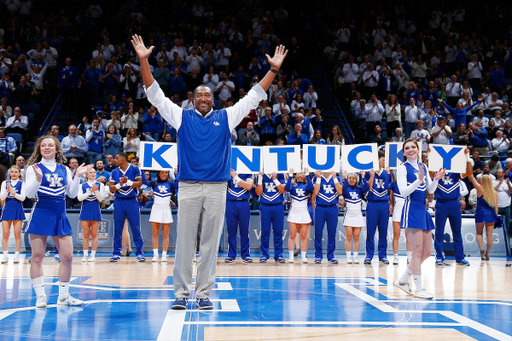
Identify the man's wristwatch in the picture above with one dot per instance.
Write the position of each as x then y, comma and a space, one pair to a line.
274, 70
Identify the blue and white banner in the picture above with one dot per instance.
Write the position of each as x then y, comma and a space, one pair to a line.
246, 160
321, 157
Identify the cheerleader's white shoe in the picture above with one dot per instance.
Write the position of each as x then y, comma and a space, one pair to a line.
42, 301
5, 259
69, 300
91, 259
290, 260
85, 259
163, 259
423, 294
16, 259
355, 260
395, 260
350, 260
155, 259
304, 260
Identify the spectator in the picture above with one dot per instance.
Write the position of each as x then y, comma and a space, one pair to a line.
393, 115
461, 136
317, 138
153, 123
307, 127
421, 135
335, 136
398, 136
503, 187
494, 103
23, 96
210, 79
374, 111
387, 81
498, 121
249, 137
194, 60
131, 142
267, 124
412, 91
284, 129
370, 80
112, 142
8, 147
5, 109
459, 112
500, 143
224, 88
111, 163
310, 98
478, 138
17, 124
189, 102
296, 104
441, 133
297, 137
74, 145
497, 77
453, 91
493, 164
94, 138
93, 78
376, 137
66, 81
101, 172
110, 80
130, 117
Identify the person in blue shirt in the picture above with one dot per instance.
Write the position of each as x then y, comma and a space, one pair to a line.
74, 145
204, 156
112, 142
299, 218
66, 81
270, 189
297, 137
94, 137
378, 211
238, 214
8, 146
448, 207
125, 181
93, 78
459, 113
478, 138
327, 189
317, 138
353, 219
153, 123
110, 79
100, 170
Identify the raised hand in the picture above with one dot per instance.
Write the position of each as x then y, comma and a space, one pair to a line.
233, 173
39, 173
276, 61
94, 188
274, 176
123, 180
82, 169
140, 49
306, 170
291, 171
318, 173
421, 173
440, 173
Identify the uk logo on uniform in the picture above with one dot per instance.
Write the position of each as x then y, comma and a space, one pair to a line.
328, 189
216, 124
447, 180
379, 183
54, 180
300, 192
354, 195
270, 187
162, 189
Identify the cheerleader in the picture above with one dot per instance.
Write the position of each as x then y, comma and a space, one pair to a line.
51, 181
161, 213
299, 218
413, 183
91, 194
398, 204
380, 208
353, 220
486, 212
327, 190
13, 192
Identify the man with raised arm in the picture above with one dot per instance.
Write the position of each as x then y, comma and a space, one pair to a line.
204, 156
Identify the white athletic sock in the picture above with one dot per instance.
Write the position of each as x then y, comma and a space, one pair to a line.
405, 277
38, 284
396, 255
16, 253
349, 254
290, 254
6, 253
93, 254
304, 254
355, 254
86, 253
155, 252
409, 254
164, 253
417, 281
63, 289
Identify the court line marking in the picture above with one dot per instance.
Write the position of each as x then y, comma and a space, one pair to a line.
327, 323
172, 327
221, 286
227, 305
463, 321
450, 302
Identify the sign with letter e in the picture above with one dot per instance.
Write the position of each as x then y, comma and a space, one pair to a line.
158, 156
358, 157
449, 157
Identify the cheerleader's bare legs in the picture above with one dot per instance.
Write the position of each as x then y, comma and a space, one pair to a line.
396, 236
90, 229
352, 233
6, 228
489, 228
165, 235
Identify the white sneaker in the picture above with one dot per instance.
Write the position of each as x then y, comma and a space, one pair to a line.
163, 259
304, 260
423, 294
16, 259
355, 260
350, 260
85, 259
5, 259
395, 260
408, 260
91, 259
155, 259
69, 300
403, 286
41, 301
290, 260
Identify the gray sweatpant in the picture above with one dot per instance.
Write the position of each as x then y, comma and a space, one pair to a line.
194, 198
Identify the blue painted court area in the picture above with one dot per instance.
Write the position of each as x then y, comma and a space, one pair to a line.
145, 313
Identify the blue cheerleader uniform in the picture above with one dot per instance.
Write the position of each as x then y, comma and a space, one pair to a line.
90, 210
13, 208
48, 216
484, 212
414, 213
